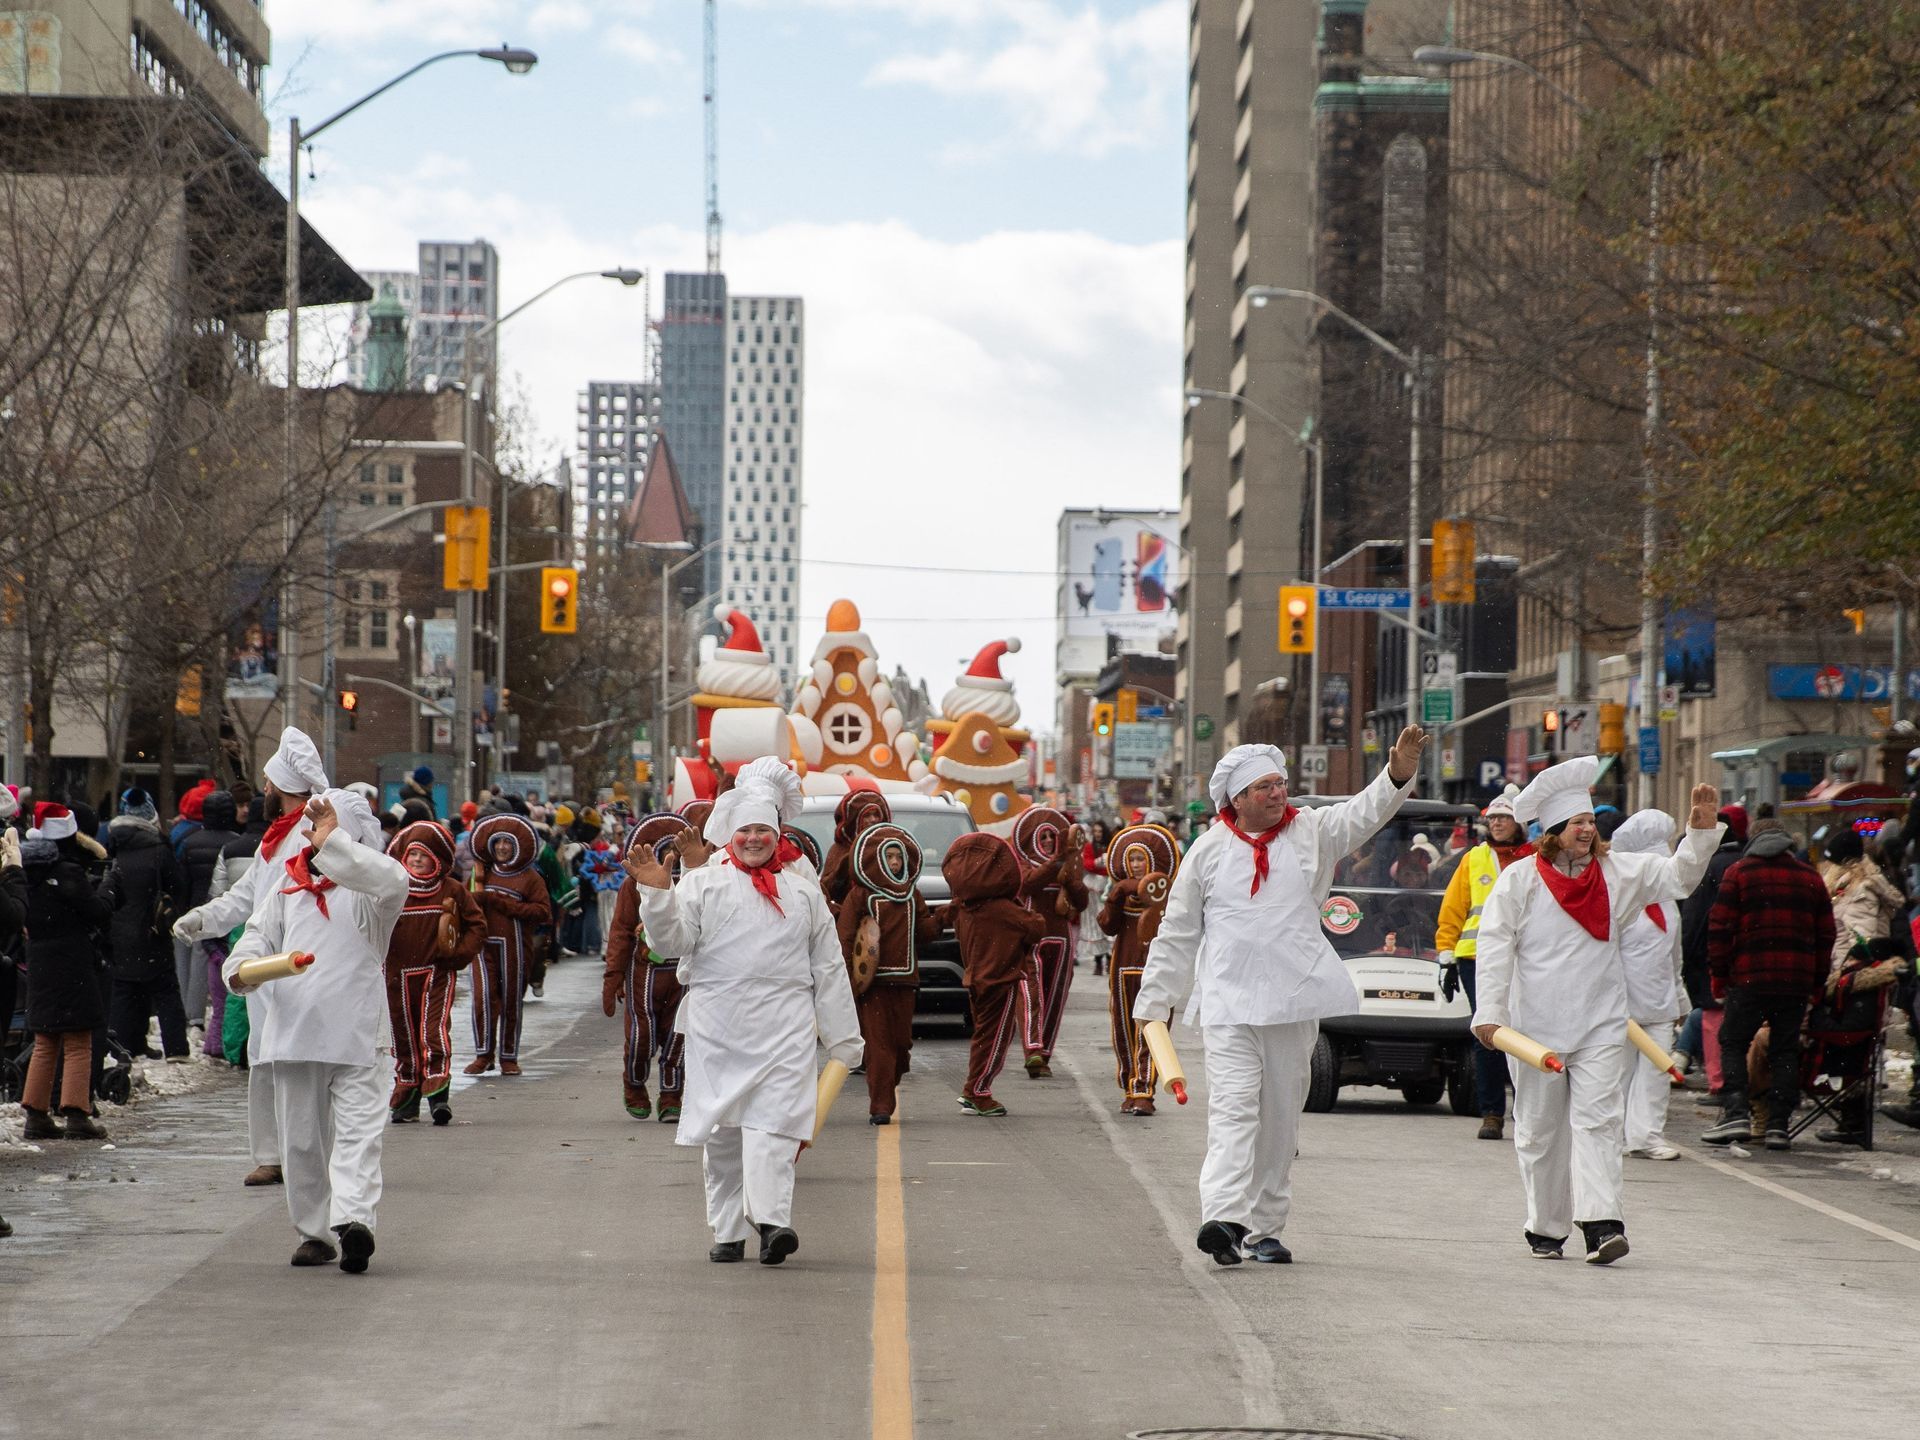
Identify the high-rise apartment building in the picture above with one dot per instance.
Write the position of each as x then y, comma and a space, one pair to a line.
760, 528
459, 291
693, 397
405, 287
618, 420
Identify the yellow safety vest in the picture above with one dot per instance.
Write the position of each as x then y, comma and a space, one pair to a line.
1483, 868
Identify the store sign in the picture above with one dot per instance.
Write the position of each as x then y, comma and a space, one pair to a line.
1138, 750
1868, 683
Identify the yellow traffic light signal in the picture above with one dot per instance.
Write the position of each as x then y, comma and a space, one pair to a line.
349, 700
1859, 619
1550, 721
1299, 604
1126, 706
559, 600
1613, 728
464, 566
1103, 716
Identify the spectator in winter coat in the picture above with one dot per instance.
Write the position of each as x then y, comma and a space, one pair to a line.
1700, 1036
199, 856
148, 887
1769, 947
63, 1002
1865, 902
227, 1026
192, 806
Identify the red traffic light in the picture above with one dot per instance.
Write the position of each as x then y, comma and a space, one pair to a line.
560, 586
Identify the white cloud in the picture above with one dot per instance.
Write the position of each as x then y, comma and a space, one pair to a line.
637, 44
959, 393
560, 15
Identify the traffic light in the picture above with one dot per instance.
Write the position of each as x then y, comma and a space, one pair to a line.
1102, 719
464, 566
1859, 619
349, 701
1298, 606
559, 600
1127, 704
1550, 721
1613, 728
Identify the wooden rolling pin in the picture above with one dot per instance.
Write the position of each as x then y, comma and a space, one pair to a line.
263, 968
1160, 1047
1649, 1047
1531, 1051
832, 1076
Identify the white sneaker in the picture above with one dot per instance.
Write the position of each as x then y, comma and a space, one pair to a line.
1660, 1151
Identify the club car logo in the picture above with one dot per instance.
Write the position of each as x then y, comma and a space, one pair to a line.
1341, 915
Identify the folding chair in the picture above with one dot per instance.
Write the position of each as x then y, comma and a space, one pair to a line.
1840, 1069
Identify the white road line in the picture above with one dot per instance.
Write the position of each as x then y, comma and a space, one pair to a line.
1257, 1380
1832, 1212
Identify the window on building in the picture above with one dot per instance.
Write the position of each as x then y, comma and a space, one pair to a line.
1403, 227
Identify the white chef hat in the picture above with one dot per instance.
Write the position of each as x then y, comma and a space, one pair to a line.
766, 792
1240, 767
356, 818
1558, 793
1502, 804
295, 766
1645, 832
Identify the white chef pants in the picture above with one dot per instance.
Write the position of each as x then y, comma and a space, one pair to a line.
1567, 1131
1648, 1091
333, 1119
263, 1126
1256, 1088
749, 1181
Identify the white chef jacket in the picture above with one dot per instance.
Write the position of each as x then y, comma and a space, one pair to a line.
758, 985
336, 1013
1262, 959
1651, 959
1542, 973
235, 906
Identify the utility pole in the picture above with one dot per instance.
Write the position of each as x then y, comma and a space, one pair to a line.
710, 49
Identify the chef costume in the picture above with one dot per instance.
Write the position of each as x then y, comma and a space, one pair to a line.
295, 769
1650, 952
325, 1031
762, 975
1551, 966
1242, 943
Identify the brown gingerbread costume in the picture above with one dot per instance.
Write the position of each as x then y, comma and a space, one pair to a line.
648, 983
997, 936
514, 899
883, 899
857, 810
1142, 860
438, 934
1048, 846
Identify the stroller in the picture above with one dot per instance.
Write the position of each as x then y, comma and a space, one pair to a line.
1843, 1057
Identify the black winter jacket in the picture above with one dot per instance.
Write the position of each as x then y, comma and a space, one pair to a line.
144, 875
63, 961
200, 851
1694, 911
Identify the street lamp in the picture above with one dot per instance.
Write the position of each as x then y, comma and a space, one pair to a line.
517, 62
463, 599
1414, 364
1305, 438
1447, 56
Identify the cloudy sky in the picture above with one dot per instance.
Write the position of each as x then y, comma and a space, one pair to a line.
980, 200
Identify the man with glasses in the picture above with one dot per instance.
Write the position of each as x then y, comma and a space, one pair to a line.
1242, 935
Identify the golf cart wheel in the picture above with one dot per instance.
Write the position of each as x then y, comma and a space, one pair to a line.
1423, 1092
1463, 1096
1323, 1081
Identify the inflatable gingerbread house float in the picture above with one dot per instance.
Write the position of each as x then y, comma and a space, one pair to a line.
736, 711
844, 719
981, 760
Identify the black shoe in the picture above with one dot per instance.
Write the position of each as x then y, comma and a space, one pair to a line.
1908, 1114
1777, 1138
1221, 1239
81, 1126
879, 1119
407, 1112
356, 1247
728, 1252
1606, 1241
41, 1125
6, 1229
313, 1252
437, 1104
1269, 1251
1842, 1137
1736, 1127
776, 1243
1545, 1247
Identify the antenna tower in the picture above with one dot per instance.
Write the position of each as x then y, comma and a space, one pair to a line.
711, 54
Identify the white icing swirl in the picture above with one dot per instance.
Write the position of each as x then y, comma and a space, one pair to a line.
737, 680
998, 706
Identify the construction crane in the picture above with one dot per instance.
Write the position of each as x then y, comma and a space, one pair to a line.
711, 50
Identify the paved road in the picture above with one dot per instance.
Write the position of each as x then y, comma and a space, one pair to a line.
542, 1272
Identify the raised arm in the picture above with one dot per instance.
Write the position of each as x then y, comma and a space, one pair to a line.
1345, 827
1168, 974
670, 915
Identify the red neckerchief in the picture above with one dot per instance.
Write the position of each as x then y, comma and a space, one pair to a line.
762, 875
1658, 917
277, 831
300, 871
1584, 897
1507, 854
1230, 818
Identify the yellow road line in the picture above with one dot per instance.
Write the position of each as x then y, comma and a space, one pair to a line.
1832, 1212
892, 1359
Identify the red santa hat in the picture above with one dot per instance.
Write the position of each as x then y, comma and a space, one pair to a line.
984, 673
743, 640
53, 821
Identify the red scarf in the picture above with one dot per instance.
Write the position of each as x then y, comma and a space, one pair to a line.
1584, 897
300, 871
762, 876
1230, 818
1507, 854
1658, 917
277, 831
